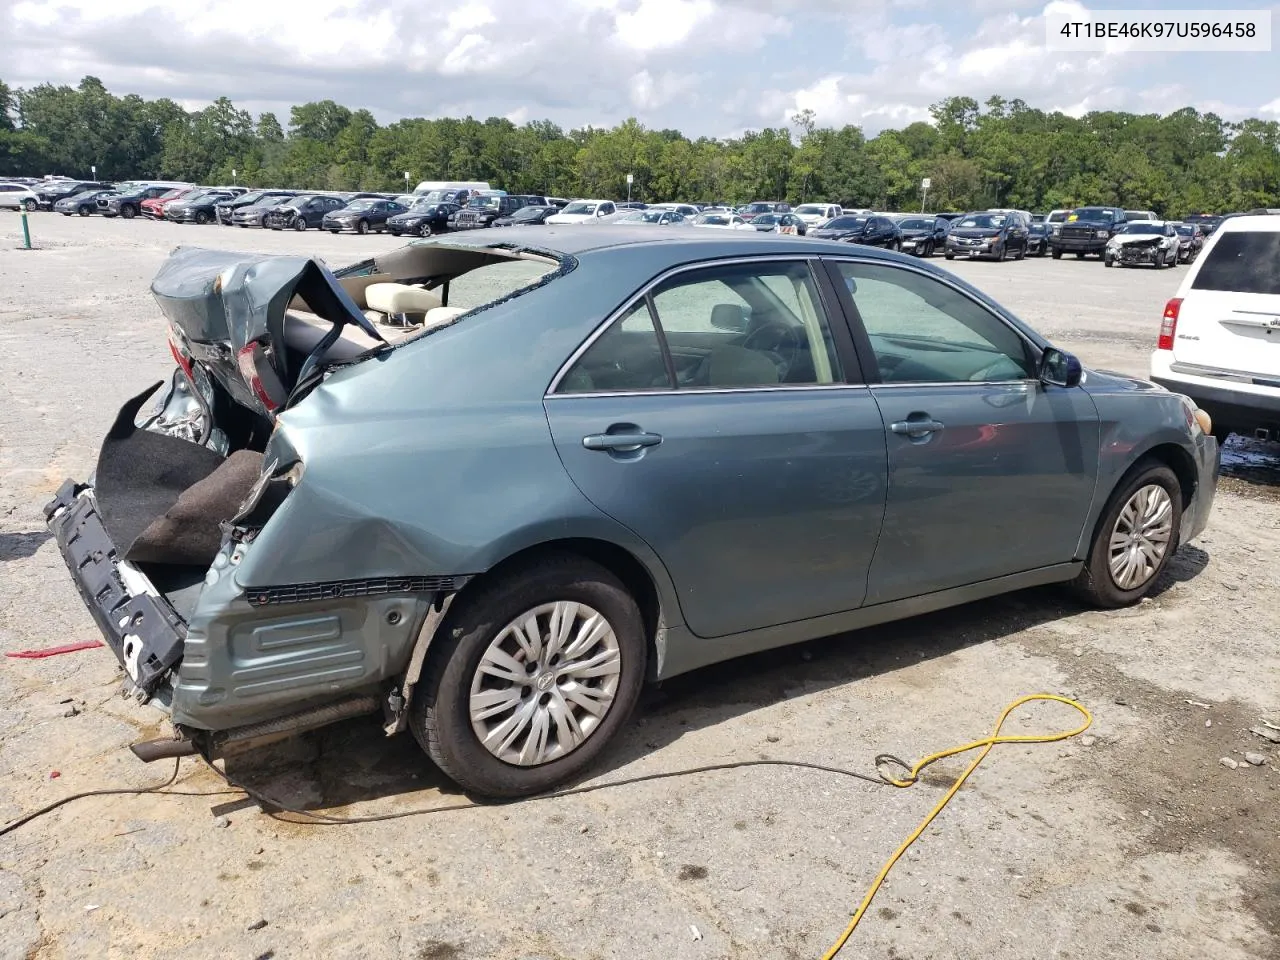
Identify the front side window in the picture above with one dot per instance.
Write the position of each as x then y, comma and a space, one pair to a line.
743, 325
924, 331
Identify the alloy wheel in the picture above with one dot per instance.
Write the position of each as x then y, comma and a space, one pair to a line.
1140, 537
545, 683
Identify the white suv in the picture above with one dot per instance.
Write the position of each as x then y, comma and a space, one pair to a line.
1220, 336
17, 195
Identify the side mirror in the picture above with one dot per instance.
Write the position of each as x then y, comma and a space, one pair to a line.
729, 316
1059, 368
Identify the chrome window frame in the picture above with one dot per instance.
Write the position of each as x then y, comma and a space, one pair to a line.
643, 294
1036, 349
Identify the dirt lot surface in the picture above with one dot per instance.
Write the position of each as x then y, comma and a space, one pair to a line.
1136, 841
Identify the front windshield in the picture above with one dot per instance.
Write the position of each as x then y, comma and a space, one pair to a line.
528, 213
421, 203
434, 196
983, 221
361, 204
714, 219
765, 219
249, 198
1097, 216
758, 208
810, 209
480, 203
1186, 230
916, 224
1140, 228
847, 223
1057, 217
580, 207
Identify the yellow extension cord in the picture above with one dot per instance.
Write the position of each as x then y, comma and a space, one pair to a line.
987, 743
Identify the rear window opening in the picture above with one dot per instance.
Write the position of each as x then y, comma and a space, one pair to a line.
1242, 262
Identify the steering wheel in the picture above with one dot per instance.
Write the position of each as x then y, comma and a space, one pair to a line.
780, 341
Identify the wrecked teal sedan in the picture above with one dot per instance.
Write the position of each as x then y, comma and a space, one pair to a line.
488, 488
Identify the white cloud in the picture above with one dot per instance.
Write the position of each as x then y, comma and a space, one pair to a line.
872, 62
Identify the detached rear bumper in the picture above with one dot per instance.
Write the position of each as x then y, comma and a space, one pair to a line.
138, 624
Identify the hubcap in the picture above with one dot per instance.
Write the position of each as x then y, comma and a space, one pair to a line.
545, 683
1141, 535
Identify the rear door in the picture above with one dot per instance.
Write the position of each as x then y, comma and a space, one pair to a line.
714, 418
1230, 313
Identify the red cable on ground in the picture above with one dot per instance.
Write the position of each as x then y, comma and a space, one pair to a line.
54, 651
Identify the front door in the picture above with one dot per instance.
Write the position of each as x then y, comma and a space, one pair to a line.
713, 419
990, 471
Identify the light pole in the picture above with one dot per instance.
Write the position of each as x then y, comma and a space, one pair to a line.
406, 181
93, 171
924, 191
630, 179
233, 176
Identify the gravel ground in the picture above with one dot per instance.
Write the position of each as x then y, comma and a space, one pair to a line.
1134, 841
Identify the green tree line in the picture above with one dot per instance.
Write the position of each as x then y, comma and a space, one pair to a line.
1000, 153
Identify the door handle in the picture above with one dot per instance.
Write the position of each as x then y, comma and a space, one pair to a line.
621, 442
917, 427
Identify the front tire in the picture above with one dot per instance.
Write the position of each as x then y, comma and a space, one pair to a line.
30, 206
128, 212
201, 217
300, 224
84, 211
531, 677
1135, 538
1057, 254
425, 230
362, 227
1108, 260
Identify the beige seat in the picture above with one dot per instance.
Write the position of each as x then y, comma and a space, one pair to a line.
398, 302
439, 316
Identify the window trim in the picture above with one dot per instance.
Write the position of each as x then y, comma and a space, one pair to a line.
848, 363
862, 340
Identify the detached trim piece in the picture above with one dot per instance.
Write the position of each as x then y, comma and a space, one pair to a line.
344, 589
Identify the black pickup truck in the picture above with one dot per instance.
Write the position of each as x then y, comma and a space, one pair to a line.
1086, 230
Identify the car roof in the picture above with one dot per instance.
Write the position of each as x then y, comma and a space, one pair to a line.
578, 240
1255, 223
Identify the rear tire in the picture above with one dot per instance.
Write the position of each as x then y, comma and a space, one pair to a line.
443, 714
949, 255
1079, 254
1057, 254
1022, 251
1134, 507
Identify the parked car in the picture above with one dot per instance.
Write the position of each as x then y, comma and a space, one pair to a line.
1220, 336
254, 214
126, 202
1152, 242
871, 231
787, 223
763, 206
301, 212
200, 207
18, 195
49, 192
1038, 235
653, 216
153, 208
1086, 230
1190, 241
816, 214
674, 506
1208, 222
1141, 215
224, 210
84, 204
984, 233
720, 220
426, 216
482, 210
684, 209
582, 211
631, 205
922, 235
1055, 219
363, 215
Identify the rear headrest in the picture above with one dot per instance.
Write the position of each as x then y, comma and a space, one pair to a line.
396, 298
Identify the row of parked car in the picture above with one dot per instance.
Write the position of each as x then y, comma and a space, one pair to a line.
1115, 235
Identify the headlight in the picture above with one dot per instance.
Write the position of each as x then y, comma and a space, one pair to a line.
1102, 234
1203, 419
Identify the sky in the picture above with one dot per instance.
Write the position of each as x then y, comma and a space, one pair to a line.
705, 67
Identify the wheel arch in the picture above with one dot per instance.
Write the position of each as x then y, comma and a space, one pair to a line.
1167, 453
618, 560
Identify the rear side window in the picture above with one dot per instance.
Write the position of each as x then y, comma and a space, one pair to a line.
1242, 263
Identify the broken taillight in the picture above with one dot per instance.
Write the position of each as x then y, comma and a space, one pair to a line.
1169, 324
260, 376
181, 356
